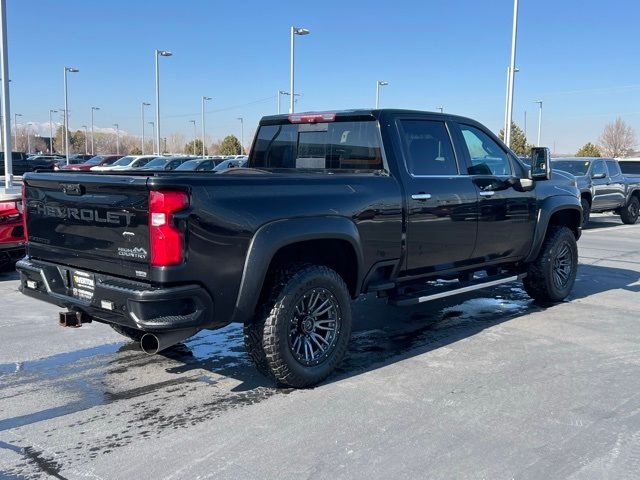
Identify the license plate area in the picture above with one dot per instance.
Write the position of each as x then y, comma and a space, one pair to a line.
83, 284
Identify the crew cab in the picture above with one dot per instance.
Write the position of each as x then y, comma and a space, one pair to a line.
603, 187
330, 206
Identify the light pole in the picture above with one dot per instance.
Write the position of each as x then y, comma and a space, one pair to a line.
29, 137
142, 105
51, 130
117, 138
159, 53
379, 83
195, 136
15, 129
86, 140
539, 102
93, 109
280, 93
512, 72
441, 108
242, 134
66, 112
6, 113
204, 99
294, 31
152, 128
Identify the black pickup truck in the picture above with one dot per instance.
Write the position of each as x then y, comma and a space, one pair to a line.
603, 187
330, 206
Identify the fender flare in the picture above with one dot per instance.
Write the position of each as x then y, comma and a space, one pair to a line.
550, 206
271, 237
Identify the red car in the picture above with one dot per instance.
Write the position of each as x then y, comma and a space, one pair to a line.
12, 237
97, 161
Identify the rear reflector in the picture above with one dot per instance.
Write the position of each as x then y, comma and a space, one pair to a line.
319, 117
165, 239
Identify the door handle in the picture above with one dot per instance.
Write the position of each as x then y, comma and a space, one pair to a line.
487, 193
421, 196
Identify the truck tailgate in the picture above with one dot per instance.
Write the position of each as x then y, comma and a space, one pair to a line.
93, 222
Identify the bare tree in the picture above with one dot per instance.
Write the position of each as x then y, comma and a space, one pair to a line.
617, 139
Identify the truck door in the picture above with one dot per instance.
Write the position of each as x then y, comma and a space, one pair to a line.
601, 190
616, 184
441, 203
507, 217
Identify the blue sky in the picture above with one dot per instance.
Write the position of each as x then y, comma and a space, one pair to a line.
578, 56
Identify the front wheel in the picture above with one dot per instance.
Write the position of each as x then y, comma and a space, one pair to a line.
304, 331
551, 276
630, 212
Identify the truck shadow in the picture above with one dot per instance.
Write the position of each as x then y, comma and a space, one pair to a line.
383, 335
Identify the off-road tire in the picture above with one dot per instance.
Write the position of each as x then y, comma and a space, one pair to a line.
131, 333
266, 336
629, 213
586, 211
539, 282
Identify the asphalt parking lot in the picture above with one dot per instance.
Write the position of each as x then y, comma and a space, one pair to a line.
482, 386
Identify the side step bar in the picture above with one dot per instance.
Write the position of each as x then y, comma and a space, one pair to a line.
436, 293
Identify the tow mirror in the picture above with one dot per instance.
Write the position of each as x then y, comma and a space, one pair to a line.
540, 163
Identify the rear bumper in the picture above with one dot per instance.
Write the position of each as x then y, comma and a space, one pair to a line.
121, 301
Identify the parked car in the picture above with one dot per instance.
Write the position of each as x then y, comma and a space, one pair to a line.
97, 161
12, 238
130, 162
60, 162
22, 163
198, 164
333, 205
227, 164
165, 163
603, 187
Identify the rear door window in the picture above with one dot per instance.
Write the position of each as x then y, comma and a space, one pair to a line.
613, 167
334, 146
428, 148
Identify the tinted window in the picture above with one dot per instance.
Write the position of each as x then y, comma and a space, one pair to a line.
614, 170
630, 167
188, 165
205, 166
156, 162
487, 158
428, 148
577, 168
334, 145
125, 161
598, 168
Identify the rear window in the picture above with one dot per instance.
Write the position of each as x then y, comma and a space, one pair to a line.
322, 146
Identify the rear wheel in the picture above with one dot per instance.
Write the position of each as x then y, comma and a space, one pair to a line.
132, 333
630, 212
304, 331
551, 276
586, 211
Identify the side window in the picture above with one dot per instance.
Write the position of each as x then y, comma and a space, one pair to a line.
428, 148
598, 168
487, 158
613, 167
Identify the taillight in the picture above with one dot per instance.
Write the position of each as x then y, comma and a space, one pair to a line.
165, 240
315, 117
24, 211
